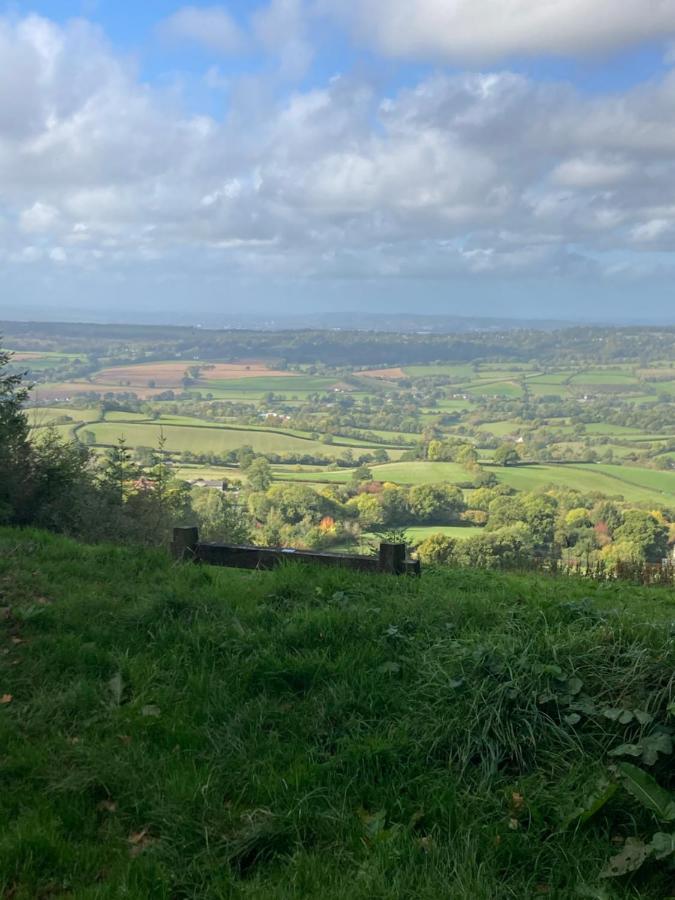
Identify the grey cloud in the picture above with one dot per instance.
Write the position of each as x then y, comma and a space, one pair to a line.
484, 31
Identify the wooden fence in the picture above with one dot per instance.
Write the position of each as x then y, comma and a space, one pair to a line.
391, 559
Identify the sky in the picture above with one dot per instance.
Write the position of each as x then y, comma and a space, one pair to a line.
511, 158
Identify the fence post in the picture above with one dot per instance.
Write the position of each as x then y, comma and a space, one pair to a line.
184, 542
392, 558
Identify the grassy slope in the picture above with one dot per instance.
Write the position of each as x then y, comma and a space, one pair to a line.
213, 439
184, 732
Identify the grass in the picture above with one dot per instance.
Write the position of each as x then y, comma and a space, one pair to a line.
44, 415
185, 732
418, 533
634, 484
211, 438
420, 472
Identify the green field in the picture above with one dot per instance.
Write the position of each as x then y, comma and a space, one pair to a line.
422, 532
502, 428
43, 415
205, 439
420, 472
209, 473
635, 485
493, 389
594, 377
457, 370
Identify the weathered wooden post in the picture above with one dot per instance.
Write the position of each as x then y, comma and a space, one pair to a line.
392, 558
184, 544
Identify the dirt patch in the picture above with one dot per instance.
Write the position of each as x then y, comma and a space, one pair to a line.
25, 357
394, 374
171, 374
69, 389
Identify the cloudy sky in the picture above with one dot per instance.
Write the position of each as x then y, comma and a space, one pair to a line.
497, 157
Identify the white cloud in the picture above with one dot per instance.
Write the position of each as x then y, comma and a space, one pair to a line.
39, 217
211, 26
461, 173
479, 31
281, 27
58, 255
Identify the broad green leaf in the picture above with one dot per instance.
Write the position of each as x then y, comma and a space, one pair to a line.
574, 685
644, 718
648, 748
584, 705
648, 791
593, 804
626, 717
634, 853
662, 845
655, 744
573, 718
549, 670
626, 750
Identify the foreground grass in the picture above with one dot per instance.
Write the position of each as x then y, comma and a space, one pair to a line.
183, 732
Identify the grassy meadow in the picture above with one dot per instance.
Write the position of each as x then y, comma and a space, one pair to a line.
175, 731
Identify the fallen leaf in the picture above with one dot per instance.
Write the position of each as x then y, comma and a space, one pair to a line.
73, 740
108, 806
43, 601
634, 853
151, 710
517, 800
514, 824
138, 836
17, 640
6, 698
140, 841
5, 612
125, 738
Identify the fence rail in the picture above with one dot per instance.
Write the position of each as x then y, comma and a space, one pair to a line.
391, 559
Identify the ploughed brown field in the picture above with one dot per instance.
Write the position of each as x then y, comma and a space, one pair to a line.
393, 374
170, 374
67, 389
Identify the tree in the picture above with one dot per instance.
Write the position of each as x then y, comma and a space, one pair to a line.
119, 471
371, 513
219, 518
14, 448
259, 474
361, 473
506, 455
245, 456
578, 518
437, 549
649, 537
439, 503
504, 511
